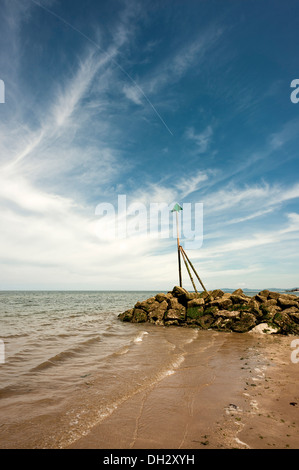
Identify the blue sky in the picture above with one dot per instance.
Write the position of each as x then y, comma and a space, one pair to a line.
163, 102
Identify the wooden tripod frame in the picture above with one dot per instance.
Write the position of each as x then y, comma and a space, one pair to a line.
186, 261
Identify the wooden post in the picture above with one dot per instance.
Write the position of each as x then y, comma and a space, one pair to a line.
179, 251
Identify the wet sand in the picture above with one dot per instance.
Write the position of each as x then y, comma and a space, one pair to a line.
230, 391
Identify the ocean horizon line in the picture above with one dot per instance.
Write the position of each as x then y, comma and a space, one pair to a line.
146, 290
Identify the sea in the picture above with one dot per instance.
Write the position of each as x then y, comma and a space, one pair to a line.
67, 362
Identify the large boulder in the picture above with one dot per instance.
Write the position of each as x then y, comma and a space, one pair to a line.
285, 323
139, 316
194, 313
127, 315
157, 314
287, 302
232, 314
148, 304
265, 293
179, 291
222, 324
222, 303
205, 321
161, 297
247, 322
265, 328
195, 308
273, 295
239, 299
176, 311
238, 292
216, 294
180, 294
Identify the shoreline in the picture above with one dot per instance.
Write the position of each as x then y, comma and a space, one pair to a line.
230, 391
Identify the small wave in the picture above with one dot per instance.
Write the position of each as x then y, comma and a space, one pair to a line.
241, 443
195, 335
17, 335
107, 410
11, 390
126, 347
175, 365
140, 337
121, 351
65, 355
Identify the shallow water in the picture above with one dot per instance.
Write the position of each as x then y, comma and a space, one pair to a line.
69, 362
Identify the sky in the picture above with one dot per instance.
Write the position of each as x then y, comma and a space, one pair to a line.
114, 108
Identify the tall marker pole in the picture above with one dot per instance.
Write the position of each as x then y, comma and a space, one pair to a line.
176, 209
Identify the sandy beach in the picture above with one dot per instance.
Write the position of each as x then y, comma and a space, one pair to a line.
229, 391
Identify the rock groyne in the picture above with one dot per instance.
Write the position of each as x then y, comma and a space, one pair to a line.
266, 312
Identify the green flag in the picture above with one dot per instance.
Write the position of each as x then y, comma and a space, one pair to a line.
177, 208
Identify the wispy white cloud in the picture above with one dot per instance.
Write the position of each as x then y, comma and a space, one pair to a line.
189, 56
191, 183
202, 139
133, 94
263, 196
288, 132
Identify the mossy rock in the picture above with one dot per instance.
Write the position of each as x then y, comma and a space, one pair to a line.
293, 314
139, 316
196, 302
217, 293
240, 299
247, 322
286, 324
161, 297
270, 303
127, 315
148, 305
211, 310
264, 293
238, 292
268, 313
192, 295
158, 313
194, 312
222, 303
205, 295
265, 310
175, 314
287, 302
222, 324
205, 321
259, 298
232, 314
274, 295
240, 307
